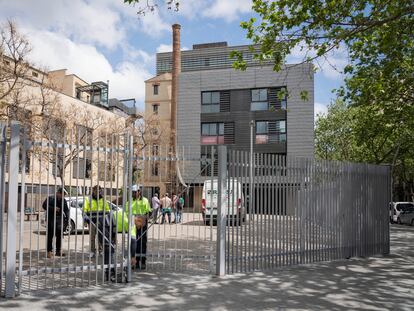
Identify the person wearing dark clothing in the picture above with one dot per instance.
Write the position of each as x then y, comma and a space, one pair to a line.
57, 215
106, 232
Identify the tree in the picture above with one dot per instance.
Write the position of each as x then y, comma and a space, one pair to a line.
36, 103
369, 134
366, 28
145, 6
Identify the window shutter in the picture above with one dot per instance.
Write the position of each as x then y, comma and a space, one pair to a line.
229, 133
224, 101
273, 131
274, 101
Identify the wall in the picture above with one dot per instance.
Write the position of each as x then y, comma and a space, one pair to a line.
300, 114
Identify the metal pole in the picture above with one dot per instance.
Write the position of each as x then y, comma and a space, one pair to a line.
3, 127
12, 210
221, 213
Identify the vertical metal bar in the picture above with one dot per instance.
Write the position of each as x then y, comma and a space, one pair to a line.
12, 210
129, 172
221, 213
273, 214
63, 154
38, 220
48, 161
70, 142
3, 150
32, 206
22, 203
76, 141
252, 192
85, 158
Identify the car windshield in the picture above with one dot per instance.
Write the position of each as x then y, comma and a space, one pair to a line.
404, 206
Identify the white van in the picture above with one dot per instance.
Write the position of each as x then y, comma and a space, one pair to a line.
396, 208
234, 206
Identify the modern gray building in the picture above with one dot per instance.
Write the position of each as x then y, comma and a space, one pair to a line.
216, 104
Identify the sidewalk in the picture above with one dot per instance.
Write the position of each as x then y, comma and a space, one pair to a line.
383, 283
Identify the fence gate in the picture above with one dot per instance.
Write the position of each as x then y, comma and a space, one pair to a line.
33, 167
296, 211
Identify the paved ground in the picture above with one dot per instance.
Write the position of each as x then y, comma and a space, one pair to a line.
381, 283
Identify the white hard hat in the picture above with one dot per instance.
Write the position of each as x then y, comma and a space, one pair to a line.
135, 188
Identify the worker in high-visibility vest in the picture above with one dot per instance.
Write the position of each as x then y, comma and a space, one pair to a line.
92, 210
141, 209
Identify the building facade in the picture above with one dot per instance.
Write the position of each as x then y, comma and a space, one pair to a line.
217, 105
157, 118
57, 108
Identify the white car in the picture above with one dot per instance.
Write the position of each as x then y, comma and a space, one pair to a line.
396, 208
76, 222
233, 201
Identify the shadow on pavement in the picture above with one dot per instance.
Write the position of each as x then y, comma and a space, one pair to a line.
375, 283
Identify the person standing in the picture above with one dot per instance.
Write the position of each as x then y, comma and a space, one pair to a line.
57, 214
180, 206
166, 204
140, 208
93, 211
174, 206
155, 201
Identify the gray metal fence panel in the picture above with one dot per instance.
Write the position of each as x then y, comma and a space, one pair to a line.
306, 210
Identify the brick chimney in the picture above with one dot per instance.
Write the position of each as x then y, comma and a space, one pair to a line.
176, 69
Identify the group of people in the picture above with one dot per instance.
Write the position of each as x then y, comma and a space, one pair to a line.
166, 206
104, 223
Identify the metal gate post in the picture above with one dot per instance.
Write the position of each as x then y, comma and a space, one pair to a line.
12, 210
221, 212
3, 149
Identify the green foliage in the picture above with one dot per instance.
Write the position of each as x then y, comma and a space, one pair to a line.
367, 28
373, 119
369, 133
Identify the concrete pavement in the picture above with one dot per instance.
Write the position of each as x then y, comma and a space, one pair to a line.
377, 283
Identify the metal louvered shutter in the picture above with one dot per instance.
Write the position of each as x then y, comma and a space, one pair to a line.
274, 101
224, 101
273, 130
229, 133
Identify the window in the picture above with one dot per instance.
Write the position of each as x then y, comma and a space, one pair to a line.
155, 108
106, 172
212, 133
78, 94
81, 168
155, 168
270, 132
35, 74
208, 161
155, 150
155, 86
259, 100
210, 102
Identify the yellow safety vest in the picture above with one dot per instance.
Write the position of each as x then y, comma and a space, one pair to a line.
139, 207
95, 206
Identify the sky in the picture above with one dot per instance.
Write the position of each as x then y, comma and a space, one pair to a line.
101, 40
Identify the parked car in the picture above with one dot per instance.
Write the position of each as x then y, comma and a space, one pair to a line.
407, 216
396, 208
234, 206
76, 222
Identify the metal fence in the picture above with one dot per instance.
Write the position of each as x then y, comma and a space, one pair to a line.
241, 211
302, 211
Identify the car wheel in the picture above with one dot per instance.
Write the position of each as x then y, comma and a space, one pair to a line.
399, 221
71, 228
412, 222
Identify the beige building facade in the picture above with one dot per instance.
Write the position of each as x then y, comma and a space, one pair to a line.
157, 118
74, 136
